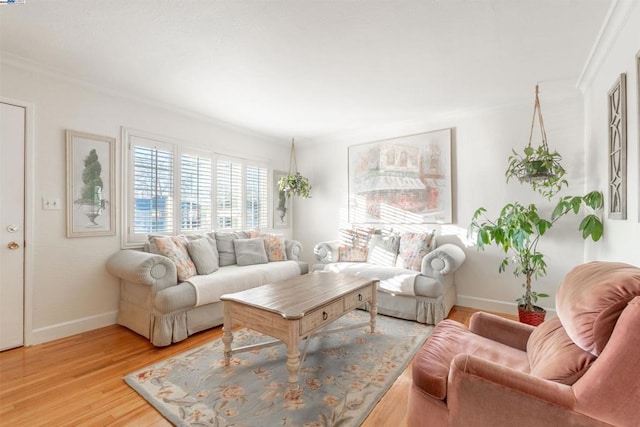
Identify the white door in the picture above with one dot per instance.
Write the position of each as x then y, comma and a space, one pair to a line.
12, 202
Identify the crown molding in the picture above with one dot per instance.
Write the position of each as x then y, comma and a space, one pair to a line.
22, 63
614, 22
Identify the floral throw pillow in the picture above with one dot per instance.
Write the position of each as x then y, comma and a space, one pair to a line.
175, 248
274, 245
354, 244
413, 247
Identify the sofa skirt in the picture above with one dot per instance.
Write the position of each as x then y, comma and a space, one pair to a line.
417, 308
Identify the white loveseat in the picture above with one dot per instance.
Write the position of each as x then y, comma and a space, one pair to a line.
424, 293
157, 305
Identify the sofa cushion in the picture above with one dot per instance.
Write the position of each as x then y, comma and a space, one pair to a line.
450, 338
413, 247
224, 244
175, 248
203, 255
591, 298
207, 289
393, 280
383, 249
250, 251
553, 356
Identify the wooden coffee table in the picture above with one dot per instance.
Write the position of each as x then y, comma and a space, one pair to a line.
295, 309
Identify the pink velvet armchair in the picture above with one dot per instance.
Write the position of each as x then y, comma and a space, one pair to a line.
581, 368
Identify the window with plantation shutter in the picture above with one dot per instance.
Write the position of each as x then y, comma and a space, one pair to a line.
171, 189
229, 193
195, 192
152, 189
256, 196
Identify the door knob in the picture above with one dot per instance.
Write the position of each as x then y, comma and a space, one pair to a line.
13, 245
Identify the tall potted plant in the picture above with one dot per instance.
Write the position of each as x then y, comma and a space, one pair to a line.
517, 231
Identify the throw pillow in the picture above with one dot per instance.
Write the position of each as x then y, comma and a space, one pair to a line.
274, 245
354, 244
175, 248
383, 249
203, 256
413, 247
250, 251
224, 244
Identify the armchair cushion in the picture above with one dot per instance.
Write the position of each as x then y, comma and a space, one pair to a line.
431, 364
591, 299
553, 356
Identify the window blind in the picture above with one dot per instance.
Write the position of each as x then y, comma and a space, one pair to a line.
195, 193
229, 194
256, 196
152, 190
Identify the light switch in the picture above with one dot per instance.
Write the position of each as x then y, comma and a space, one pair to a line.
51, 203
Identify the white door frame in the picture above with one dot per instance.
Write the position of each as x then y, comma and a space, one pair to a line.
29, 174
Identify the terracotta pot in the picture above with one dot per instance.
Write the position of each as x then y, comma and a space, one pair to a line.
534, 317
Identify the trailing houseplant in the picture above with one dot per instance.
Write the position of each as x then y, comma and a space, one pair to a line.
294, 184
538, 166
517, 231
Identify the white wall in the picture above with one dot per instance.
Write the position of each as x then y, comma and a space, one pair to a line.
481, 145
72, 291
618, 56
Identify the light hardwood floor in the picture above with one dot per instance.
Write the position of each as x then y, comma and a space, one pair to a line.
78, 380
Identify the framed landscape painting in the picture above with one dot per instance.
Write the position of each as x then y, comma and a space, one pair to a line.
403, 180
90, 185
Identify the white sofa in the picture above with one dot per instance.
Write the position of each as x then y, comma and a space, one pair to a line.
158, 306
425, 296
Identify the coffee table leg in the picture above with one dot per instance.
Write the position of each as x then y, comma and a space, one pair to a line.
293, 356
227, 335
373, 311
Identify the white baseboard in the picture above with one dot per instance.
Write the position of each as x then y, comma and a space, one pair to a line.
72, 327
494, 305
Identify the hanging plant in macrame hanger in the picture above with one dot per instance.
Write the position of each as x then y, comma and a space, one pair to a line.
538, 166
294, 184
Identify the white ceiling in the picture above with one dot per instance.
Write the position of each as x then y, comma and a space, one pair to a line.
311, 69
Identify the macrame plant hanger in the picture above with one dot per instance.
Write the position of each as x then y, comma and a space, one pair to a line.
293, 166
538, 167
538, 110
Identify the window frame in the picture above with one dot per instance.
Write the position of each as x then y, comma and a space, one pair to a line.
131, 137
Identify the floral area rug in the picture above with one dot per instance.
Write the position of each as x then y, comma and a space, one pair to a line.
342, 377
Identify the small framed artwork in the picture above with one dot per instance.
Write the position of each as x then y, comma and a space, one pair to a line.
617, 107
281, 203
90, 185
405, 180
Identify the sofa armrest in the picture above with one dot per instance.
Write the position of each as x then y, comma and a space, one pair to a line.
327, 252
505, 331
143, 268
443, 260
294, 249
477, 387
